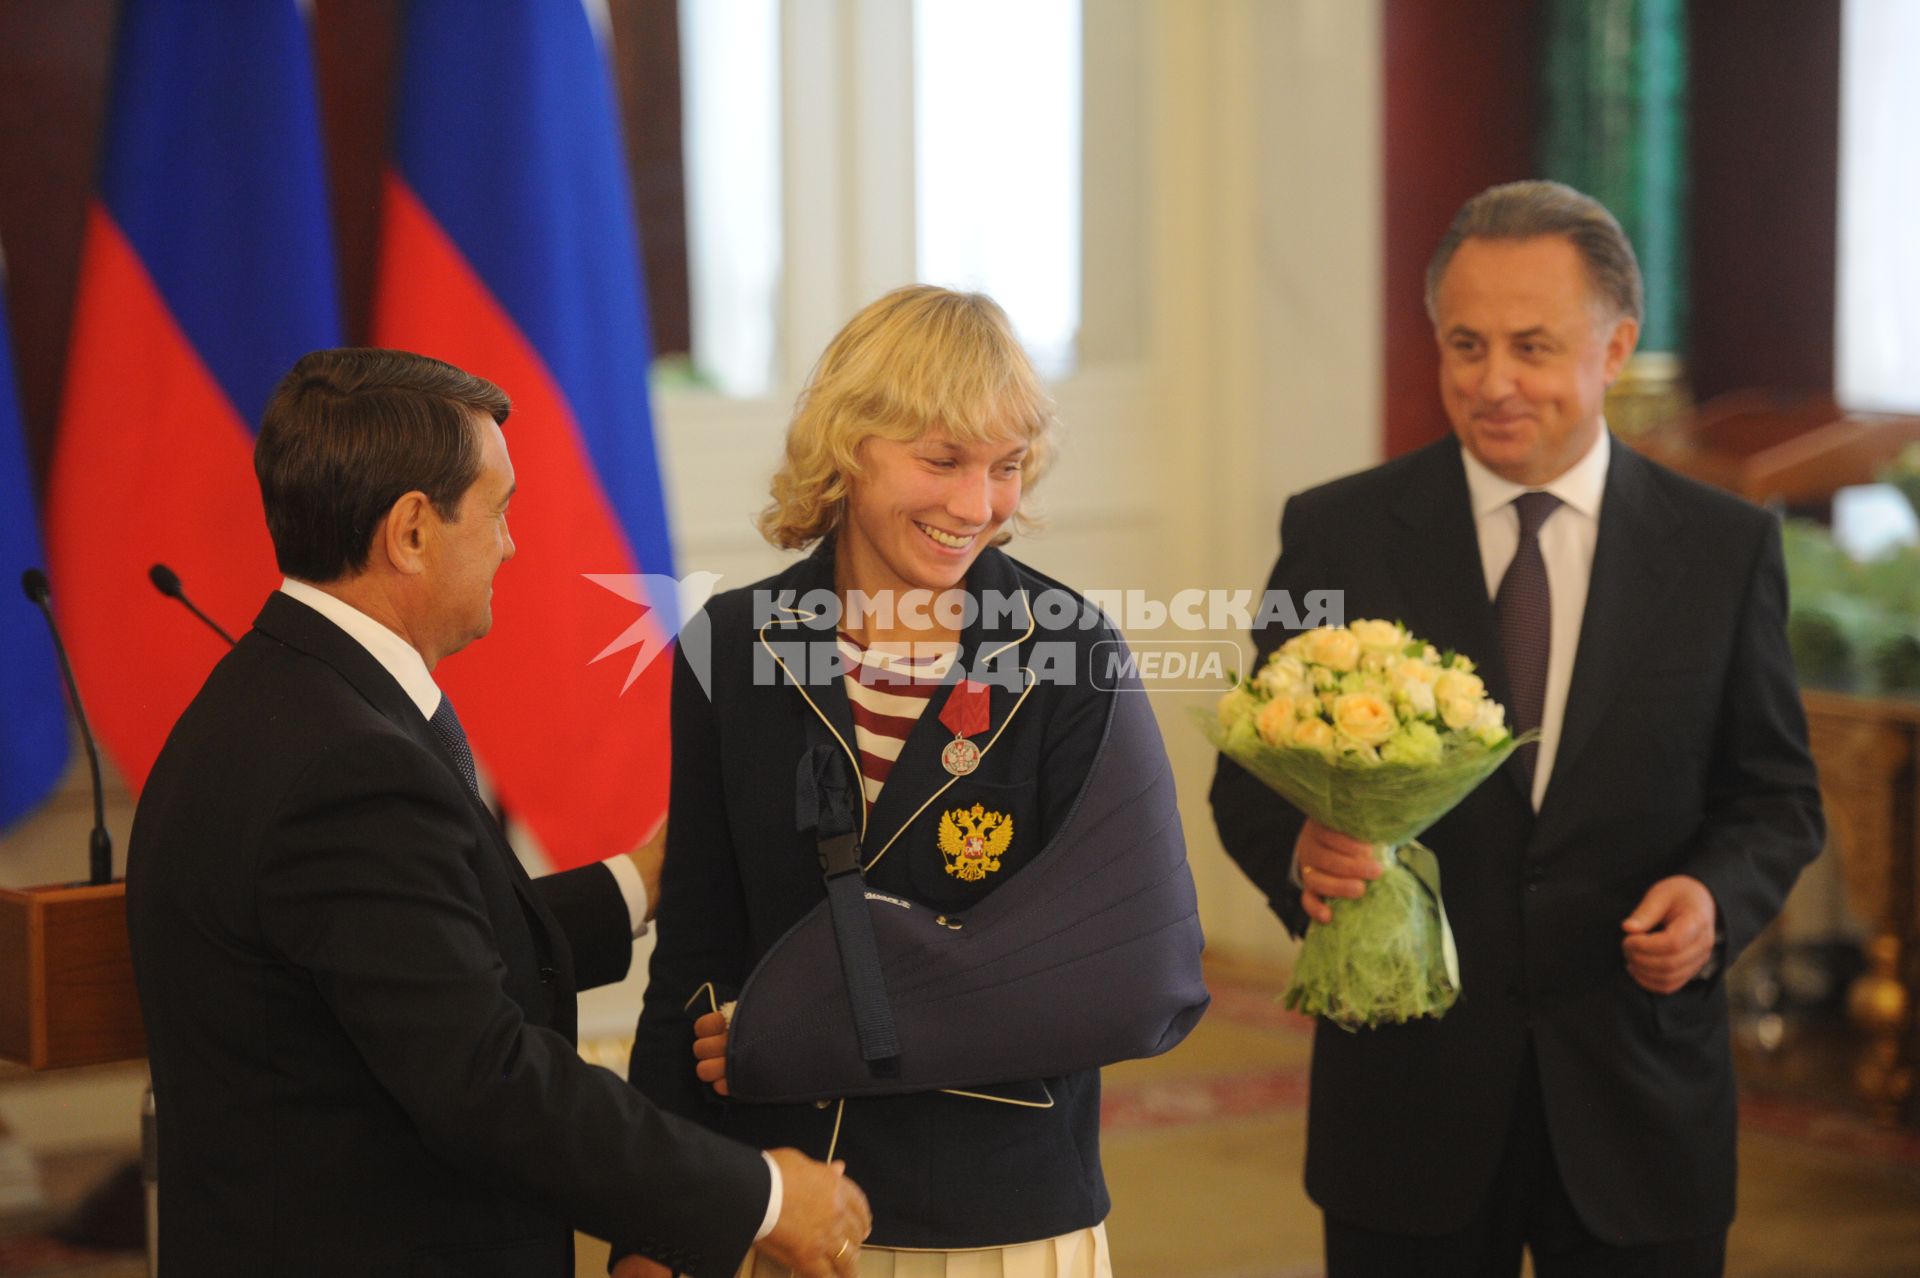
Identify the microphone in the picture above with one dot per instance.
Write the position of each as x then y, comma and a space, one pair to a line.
100, 845
167, 582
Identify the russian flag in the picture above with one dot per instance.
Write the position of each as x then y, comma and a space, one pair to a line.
33, 731
509, 249
206, 270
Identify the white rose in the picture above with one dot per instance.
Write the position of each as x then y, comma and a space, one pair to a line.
1490, 723
1281, 677
1417, 697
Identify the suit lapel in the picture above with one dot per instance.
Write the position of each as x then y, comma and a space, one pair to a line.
798, 637
1436, 563
1634, 569
293, 623
1437, 566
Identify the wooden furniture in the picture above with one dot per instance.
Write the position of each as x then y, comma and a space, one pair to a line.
1796, 450
1868, 752
66, 977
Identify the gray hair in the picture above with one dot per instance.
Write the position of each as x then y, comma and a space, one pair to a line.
1522, 210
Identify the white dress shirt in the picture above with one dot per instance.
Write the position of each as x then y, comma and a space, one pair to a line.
409, 669
1567, 540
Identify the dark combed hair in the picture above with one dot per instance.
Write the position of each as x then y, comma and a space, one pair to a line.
1522, 210
349, 432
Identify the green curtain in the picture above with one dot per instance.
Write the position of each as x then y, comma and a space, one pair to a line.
1613, 123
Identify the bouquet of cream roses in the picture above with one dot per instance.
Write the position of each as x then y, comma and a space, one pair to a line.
1374, 733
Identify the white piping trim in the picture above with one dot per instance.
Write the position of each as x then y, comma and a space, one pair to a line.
852, 758
839, 1114
1003, 1100
1031, 624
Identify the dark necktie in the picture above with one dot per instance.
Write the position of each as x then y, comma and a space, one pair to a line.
446, 725
1525, 608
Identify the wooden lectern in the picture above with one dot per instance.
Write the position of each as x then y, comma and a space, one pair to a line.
66, 977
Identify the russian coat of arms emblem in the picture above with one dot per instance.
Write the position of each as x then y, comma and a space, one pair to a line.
973, 840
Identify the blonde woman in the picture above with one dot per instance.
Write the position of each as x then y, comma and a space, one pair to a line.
918, 438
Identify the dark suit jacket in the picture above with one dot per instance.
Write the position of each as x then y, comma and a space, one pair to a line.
1683, 751
940, 1170
361, 1010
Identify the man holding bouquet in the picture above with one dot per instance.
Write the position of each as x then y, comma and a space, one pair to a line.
1578, 1099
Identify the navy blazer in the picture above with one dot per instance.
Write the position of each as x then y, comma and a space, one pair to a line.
360, 1009
1011, 1164
1683, 751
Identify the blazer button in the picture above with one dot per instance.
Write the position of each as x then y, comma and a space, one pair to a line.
548, 973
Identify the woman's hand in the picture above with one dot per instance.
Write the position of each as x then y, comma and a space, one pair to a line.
710, 1050
640, 1267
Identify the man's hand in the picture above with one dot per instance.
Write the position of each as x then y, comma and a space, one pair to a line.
1670, 934
710, 1050
648, 858
823, 1219
1331, 864
640, 1267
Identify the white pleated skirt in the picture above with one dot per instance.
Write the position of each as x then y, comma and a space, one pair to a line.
1082, 1254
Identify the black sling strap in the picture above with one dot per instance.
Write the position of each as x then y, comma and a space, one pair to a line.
824, 803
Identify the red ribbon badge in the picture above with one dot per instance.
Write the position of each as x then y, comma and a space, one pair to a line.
965, 713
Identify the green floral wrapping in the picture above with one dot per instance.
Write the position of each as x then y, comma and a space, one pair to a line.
1389, 956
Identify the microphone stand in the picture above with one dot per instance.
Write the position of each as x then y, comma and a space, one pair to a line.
66, 967
167, 582
100, 845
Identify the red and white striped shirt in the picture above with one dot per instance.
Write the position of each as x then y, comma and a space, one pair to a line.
888, 688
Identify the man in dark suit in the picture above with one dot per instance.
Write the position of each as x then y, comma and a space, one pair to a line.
361, 1010
1579, 1099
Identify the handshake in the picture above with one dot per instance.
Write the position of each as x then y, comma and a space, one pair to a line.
823, 1220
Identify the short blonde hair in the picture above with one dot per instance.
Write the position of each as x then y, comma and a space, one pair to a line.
920, 358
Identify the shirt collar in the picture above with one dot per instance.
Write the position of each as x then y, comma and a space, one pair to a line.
399, 658
1581, 486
